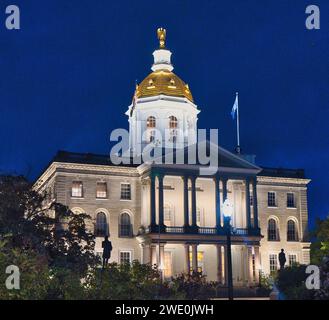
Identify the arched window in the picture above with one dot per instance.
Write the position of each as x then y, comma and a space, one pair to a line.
173, 122
125, 227
150, 125
272, 230
291, 231
101, 225
150, 122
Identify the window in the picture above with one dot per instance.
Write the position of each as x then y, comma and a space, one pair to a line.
173, 122
150, 122
125, 191
290, 200
76, 189
291, 231
101, 225
271, 201
200, 259
292, 259
167, 264
151, 136
125, 227
101, 190
273, 263
272, 232
125, 257
199, 217
251, 200
167, 216
253, 266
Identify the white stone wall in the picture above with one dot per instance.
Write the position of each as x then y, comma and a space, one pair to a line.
282, 214
112, 206
60, 180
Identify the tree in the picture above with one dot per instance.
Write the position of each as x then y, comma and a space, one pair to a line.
49, 229
320, 245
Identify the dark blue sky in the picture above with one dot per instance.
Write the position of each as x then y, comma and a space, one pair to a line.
68, 76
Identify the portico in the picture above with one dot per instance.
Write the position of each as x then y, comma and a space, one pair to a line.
183, 220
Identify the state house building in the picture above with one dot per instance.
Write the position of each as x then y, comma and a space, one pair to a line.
171, 215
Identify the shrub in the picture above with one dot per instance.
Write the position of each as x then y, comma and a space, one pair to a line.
291, 283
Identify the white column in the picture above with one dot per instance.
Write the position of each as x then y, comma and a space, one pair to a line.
250, 266
257, 263
187, 266
219, 264
194, 257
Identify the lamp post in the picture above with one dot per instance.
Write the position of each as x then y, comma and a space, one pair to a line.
227, 212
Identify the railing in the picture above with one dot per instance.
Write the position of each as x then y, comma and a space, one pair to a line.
205, 230
240, 231
175, 229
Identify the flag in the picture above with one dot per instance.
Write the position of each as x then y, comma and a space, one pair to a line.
235, 107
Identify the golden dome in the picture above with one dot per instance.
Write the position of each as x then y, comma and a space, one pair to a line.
163, 82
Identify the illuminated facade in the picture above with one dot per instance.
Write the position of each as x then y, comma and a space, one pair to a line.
170, 215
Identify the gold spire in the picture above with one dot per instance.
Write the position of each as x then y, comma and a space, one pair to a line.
162, 37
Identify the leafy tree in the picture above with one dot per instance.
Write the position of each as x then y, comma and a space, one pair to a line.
320, 245
50, 229
34, 279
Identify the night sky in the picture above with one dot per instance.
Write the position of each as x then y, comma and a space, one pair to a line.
68, 76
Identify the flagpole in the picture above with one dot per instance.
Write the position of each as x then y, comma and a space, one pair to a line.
238, 124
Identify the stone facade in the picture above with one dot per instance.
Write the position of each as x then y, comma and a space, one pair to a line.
210, 248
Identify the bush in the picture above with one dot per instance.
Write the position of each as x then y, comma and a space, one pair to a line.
291, 283
194, 287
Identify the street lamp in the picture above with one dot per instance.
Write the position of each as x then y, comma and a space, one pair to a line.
227, 210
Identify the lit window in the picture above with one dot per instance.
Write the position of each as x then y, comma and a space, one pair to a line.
125, 191
199, 217
272, 230
125, 257
292, 260
101, 225
167, 216
168, 264
151, 122
151, 136
125, 227
200, 258
271, 200
273, 263
290, 200
76, 189
101, 190
291, 231
173, 122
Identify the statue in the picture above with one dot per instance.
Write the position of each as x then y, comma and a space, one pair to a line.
107, 248
162, 37
282, 259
